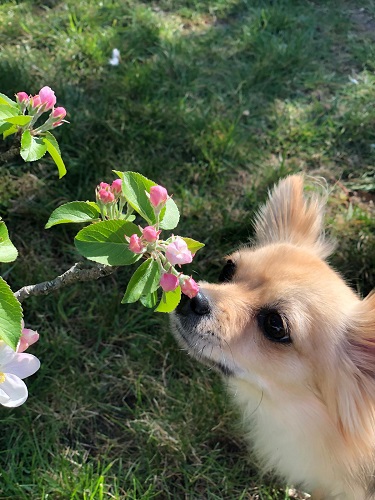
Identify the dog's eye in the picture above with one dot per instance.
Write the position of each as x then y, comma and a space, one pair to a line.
227, 272
274, 326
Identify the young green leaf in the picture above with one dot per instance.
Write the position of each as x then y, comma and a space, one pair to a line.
20, 120
170, 215
104, 242
8, 252
54, 151
134, 187
5, 100
150, 300
32, 148
169, 301
10, 129
7, 111
144, 281
193, 245
74, 211
10, 316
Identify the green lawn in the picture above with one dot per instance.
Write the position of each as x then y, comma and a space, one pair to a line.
215, 100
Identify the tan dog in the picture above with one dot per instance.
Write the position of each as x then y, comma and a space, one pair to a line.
297, 346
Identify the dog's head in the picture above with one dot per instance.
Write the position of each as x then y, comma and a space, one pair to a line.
282, 319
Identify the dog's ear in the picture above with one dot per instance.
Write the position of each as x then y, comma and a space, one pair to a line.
361, 336
352, 390
290, 216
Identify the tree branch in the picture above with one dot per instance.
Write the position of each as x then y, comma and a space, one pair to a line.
72, 275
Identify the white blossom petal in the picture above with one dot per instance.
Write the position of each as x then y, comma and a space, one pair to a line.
15, 389
6, 354
22, 365
3, 397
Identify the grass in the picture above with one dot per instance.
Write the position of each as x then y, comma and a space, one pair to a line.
216, 100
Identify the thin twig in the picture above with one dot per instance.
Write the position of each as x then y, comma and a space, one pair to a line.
72, 275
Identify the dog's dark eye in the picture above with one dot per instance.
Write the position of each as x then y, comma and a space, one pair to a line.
274, 326
227, 272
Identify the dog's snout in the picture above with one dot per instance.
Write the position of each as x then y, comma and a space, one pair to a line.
199, 305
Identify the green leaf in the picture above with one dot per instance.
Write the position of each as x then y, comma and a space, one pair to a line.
32, 148
169, 301
144, 281
7, 111
74, 211
54, 151
170, 215
104, 242
8, 252
4, 127
9, 131
10, 316
20, 120
5, 100
150, 300
134, 187
193, 245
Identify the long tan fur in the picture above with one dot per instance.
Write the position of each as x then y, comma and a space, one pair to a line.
308, 405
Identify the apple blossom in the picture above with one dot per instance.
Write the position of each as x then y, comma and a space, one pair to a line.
168, 282
13, 368
106, 196
178, 253
190, 287
47, 98
135, 244
150, 234
158, 195
22, 97
116, 186
59, 114
35, 101
28, 337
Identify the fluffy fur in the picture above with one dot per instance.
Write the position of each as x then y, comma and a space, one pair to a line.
308, 404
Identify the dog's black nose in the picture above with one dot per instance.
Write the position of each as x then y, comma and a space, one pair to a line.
198, 305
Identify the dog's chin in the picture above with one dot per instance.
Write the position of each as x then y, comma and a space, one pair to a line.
201, 342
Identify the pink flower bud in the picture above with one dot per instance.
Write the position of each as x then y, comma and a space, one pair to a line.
28, 337
35, 101
106, 196
59, 113
158, 195
104, 185
190, 287
135, 244
117, 186
48, 98
150, 234
22, 97
168, 282
178, 253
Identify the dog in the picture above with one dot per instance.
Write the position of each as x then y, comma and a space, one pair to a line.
296, 346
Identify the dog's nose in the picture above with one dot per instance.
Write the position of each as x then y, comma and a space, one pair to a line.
198, 305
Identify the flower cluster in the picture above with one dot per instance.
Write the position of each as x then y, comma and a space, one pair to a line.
38, 104
110, 200
168, 254
15, 366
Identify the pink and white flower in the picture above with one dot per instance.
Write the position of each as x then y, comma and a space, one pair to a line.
190, 287
135, 244
14, 367
168, 282
47, 98
178, 253
150, 234
158, 196
28, 338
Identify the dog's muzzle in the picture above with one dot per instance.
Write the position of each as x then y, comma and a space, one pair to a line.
199, 305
